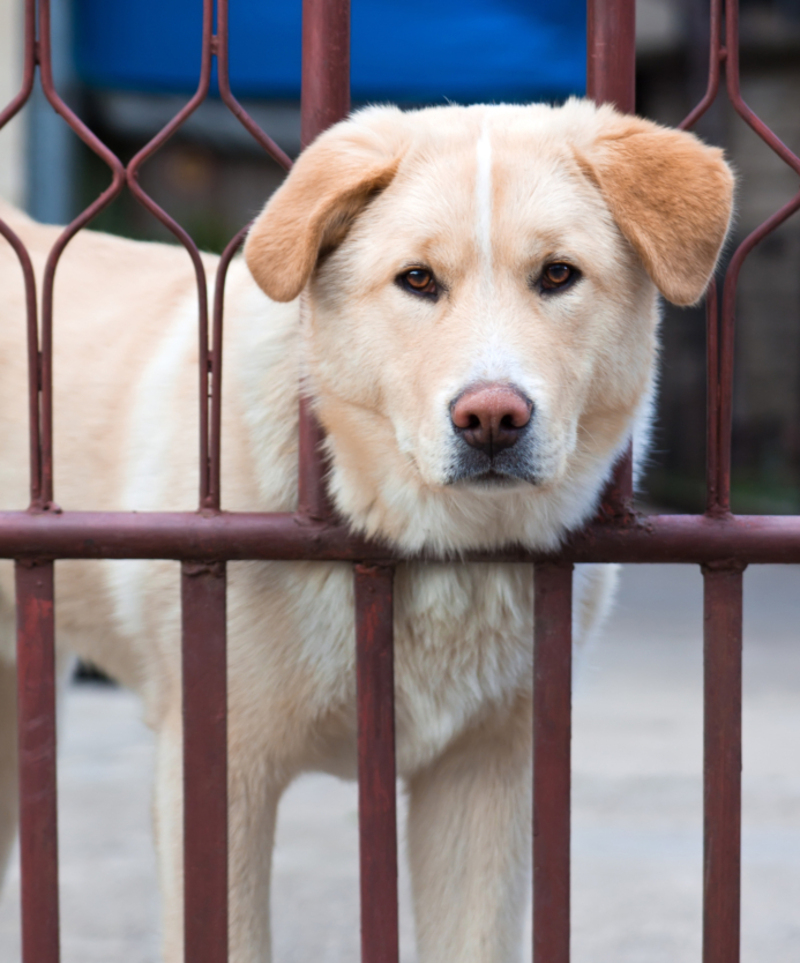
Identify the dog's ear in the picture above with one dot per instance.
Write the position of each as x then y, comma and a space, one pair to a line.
329, 184
670, 195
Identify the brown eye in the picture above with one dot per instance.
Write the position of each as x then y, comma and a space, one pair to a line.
419, 281
557, 275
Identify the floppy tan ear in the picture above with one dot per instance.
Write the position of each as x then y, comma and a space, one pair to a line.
671, 196
329, 184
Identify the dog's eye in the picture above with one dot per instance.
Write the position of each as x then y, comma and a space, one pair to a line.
419, 281
557, 276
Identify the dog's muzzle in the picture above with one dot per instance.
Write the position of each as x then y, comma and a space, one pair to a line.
492, 424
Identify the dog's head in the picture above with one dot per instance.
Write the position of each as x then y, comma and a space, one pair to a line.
482, 287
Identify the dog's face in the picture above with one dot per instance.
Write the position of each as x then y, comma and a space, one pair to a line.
482, 313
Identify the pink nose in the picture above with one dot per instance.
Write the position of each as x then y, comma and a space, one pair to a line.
490, 417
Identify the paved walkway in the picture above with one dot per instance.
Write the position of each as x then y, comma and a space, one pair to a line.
637, 803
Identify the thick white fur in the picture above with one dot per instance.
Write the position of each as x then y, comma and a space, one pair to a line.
484, 196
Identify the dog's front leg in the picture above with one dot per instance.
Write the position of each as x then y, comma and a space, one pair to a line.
253, 797
470, 841
253, 802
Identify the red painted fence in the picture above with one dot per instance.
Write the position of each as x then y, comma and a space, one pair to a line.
204, 541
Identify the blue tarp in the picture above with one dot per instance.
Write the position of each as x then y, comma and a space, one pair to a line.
465, 51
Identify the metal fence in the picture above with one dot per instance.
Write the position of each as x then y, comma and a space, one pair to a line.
203, 541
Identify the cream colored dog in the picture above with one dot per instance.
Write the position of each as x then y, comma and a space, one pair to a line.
480, 340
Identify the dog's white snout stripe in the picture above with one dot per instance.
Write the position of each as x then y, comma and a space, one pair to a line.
483, 200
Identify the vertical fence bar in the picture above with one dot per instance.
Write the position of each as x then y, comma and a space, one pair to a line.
713, 426
45, 364
552, 734
722, 764
36, 708
611, 53
611, 78
205, 762
7, 112
32, 332
220, 49
730, 56
377, 812
325, 99
131, 174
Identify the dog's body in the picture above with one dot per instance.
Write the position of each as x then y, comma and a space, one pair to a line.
484, 406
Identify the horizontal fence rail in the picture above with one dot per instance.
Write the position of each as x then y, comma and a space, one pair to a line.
756, 539
203, 541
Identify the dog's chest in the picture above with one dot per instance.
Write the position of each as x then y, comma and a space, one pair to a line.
463, 645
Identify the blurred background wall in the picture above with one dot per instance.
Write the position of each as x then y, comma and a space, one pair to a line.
127, 67
671, 78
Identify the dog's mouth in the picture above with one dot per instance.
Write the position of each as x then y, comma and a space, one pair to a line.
492, 478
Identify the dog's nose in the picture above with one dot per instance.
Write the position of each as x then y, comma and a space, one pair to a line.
490, 417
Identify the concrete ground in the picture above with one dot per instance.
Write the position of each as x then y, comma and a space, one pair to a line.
637, 846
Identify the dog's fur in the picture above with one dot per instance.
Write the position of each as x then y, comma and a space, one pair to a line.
485, 197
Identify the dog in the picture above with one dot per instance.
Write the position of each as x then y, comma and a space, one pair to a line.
479, 342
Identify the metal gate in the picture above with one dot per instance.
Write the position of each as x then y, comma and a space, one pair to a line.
721, 543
